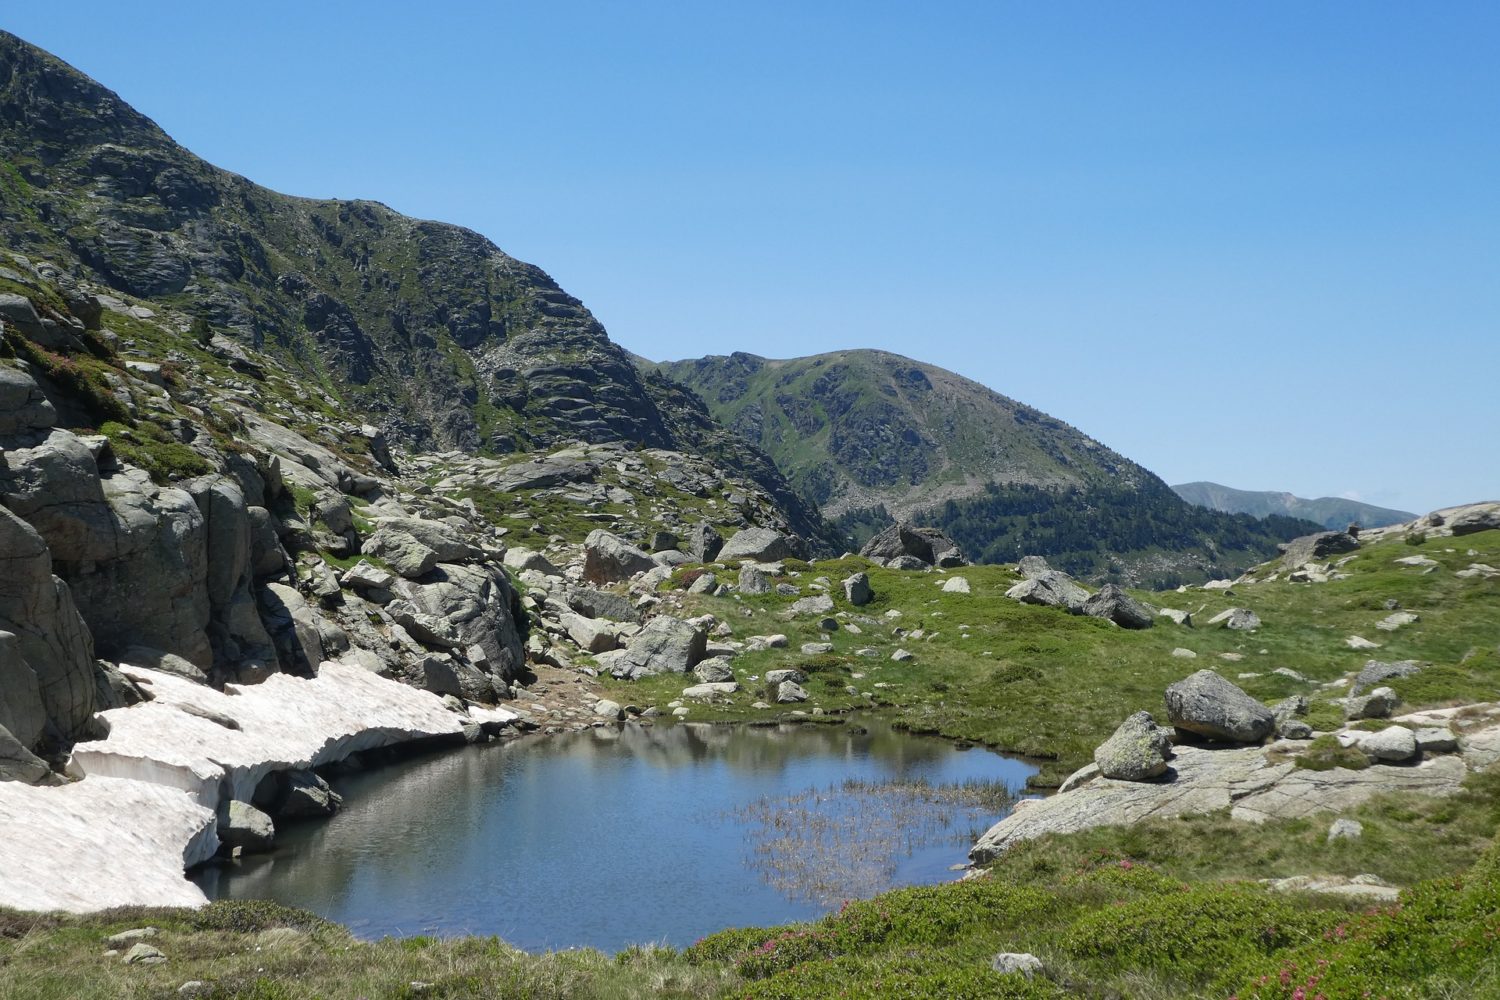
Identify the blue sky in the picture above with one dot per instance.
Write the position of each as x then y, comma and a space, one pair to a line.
1252, 243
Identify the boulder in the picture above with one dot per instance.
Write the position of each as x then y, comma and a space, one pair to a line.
522, 559
412, 546
928, 545
23, 406
364, 575
663, 540
664, 645
703, 542
707, 583
606, 709
1345, 829
1052, 589
1033, 567
956, 585
593, 635
1396, 743
789, 692
1021, 963
293, 628
47, 674
478, 605
817, 604
758, 545
774, 677
246, 827
17, 763
710, 690
1119, 607
608, 558
445, 675
714, 670
857, 589
1138, 750
1378, 704
1475, 518
1239, 619
753, 581
1205, 704
1317, 547
1376, 671
304, 793
593, 603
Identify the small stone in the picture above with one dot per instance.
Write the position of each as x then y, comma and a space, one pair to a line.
1184, 654
143, 954
774, 677
606, 709
903, 655
1239, 619
816, 648
1360, 642
956, 585
1022, 963
131, 936
1345, 829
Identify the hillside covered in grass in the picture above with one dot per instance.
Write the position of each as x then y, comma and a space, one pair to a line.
869, 436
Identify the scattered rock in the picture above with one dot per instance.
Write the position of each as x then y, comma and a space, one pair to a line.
1021, 963
606, 709
1376, 671
710, 690
1431, 739
608, 558
1345, 829
757, 545
790, 692
143, 954
664, 645
1360, 643
816, 648
1395, 743
1207, 705
1378, 704
775, 677
714, 670
1115, 605
927, 546
1391, 623
902, 655
1052, 589
244, 826
815, 605
1178, 617
1239, 619
956, 585
857, 590
131, 936
1184, 654
753, 581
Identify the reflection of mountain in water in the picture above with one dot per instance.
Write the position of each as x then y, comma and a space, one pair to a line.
604, 837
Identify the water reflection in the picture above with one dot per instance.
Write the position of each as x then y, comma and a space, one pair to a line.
604, 838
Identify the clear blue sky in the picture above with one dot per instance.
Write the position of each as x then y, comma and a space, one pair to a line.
1257, 243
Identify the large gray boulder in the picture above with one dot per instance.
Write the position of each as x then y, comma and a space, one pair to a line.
246, 827
23, 407
857, 589
930, 545
753, 581
593, 603
1317, 547
608, 558
17, 763
1119, 607
478, 608
47, 654
1138, 750
413, 547
664, 645
703, 542
1475, 518
1053, 588
1205, 704
758, 545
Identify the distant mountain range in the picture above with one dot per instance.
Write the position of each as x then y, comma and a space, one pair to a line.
869, 436
1330, 512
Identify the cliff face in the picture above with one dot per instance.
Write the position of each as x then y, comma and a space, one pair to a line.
429, 330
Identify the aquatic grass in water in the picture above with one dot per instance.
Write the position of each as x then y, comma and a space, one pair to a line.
826, 845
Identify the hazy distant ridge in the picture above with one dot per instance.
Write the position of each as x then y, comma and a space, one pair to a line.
1331, 512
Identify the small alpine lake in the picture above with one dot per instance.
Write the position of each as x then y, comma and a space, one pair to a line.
624, 835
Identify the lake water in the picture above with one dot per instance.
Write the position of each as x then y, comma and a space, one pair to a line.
626, 835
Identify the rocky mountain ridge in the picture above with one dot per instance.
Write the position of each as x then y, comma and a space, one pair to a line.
1330, 512
428, 330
